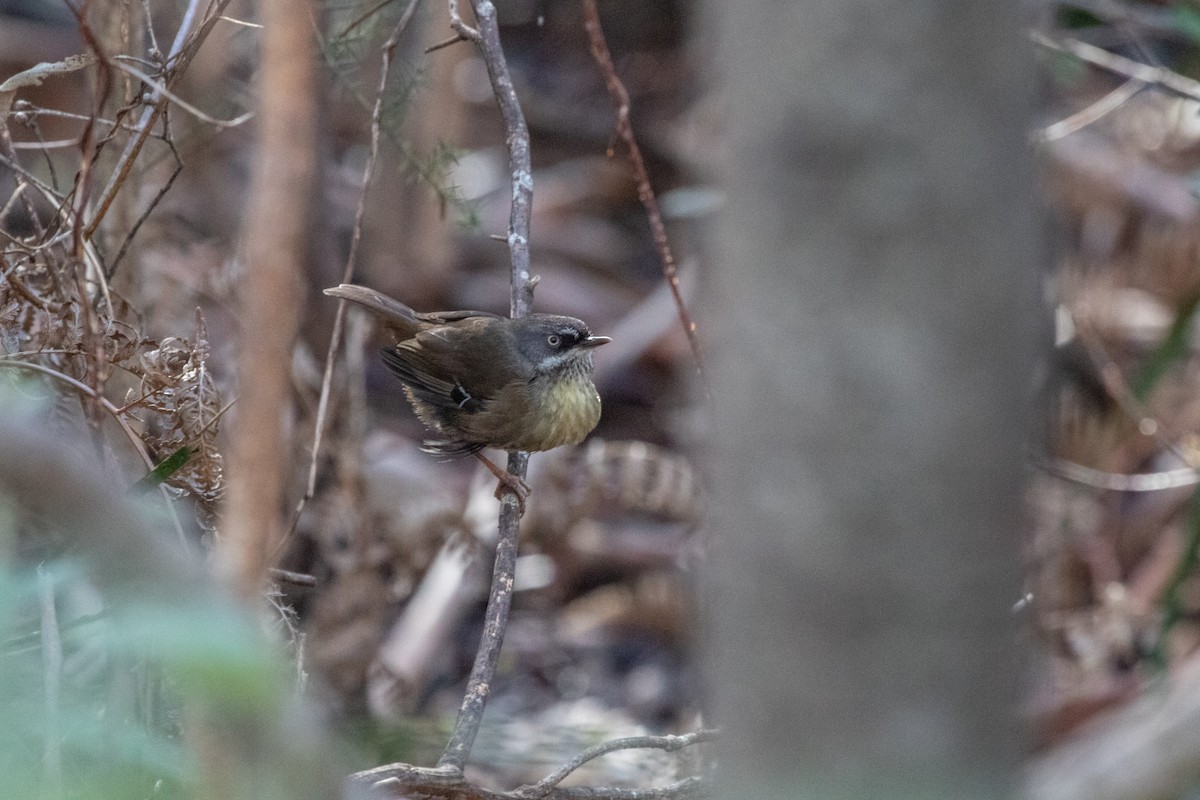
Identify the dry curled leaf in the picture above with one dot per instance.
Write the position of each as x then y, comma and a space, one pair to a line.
179, 405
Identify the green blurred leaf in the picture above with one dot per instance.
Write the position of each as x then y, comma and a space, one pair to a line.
108, 751
1066, 69
213, 655
1074, 18
165, 469
1186, 20
121, 745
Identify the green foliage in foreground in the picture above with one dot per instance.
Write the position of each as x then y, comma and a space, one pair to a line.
98, 696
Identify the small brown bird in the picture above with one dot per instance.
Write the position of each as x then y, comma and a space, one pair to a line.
481, 380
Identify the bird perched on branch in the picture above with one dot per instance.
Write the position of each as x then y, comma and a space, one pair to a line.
481, 380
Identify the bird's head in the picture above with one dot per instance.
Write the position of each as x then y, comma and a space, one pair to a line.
552, 343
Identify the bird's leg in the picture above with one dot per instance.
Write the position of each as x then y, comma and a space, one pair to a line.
507, 481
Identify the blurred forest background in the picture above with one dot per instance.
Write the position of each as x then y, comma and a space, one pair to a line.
124, 316
132, 323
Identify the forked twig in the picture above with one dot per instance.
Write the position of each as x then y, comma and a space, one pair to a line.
670, 744
1144, 74
446, 782
162, 89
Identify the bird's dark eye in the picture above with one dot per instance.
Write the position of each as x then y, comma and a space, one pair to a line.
554, 340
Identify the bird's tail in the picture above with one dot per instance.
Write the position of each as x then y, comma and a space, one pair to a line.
394, 315
450, 448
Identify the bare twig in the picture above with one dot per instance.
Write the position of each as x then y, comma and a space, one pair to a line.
148, 13
1116, 482
56, 144
166, 187
91, 341
411, 783
241, 22
670, 744
25, 110
1092, 113
455, 39
1142, 73
294, 578
620, 100
162, 89
335, 338
495, 622
479, 685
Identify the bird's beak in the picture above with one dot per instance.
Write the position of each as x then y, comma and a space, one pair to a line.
595, 341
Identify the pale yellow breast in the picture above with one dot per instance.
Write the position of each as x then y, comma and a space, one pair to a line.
570, 409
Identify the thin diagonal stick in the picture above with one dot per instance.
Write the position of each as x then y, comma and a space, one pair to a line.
389, 48
620, 99
104, 403
182, 49
670, 744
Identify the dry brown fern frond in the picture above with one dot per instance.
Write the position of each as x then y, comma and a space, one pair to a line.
179, 405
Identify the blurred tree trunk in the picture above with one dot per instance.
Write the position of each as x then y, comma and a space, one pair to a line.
277, 246
870, 329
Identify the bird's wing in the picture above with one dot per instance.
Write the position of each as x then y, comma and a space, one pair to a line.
453, 366
410, 365
443, 317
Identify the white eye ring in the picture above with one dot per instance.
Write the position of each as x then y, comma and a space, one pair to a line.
553, 340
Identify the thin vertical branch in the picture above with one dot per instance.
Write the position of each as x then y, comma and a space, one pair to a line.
620, 100
339, 320
479, 685
91, 341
